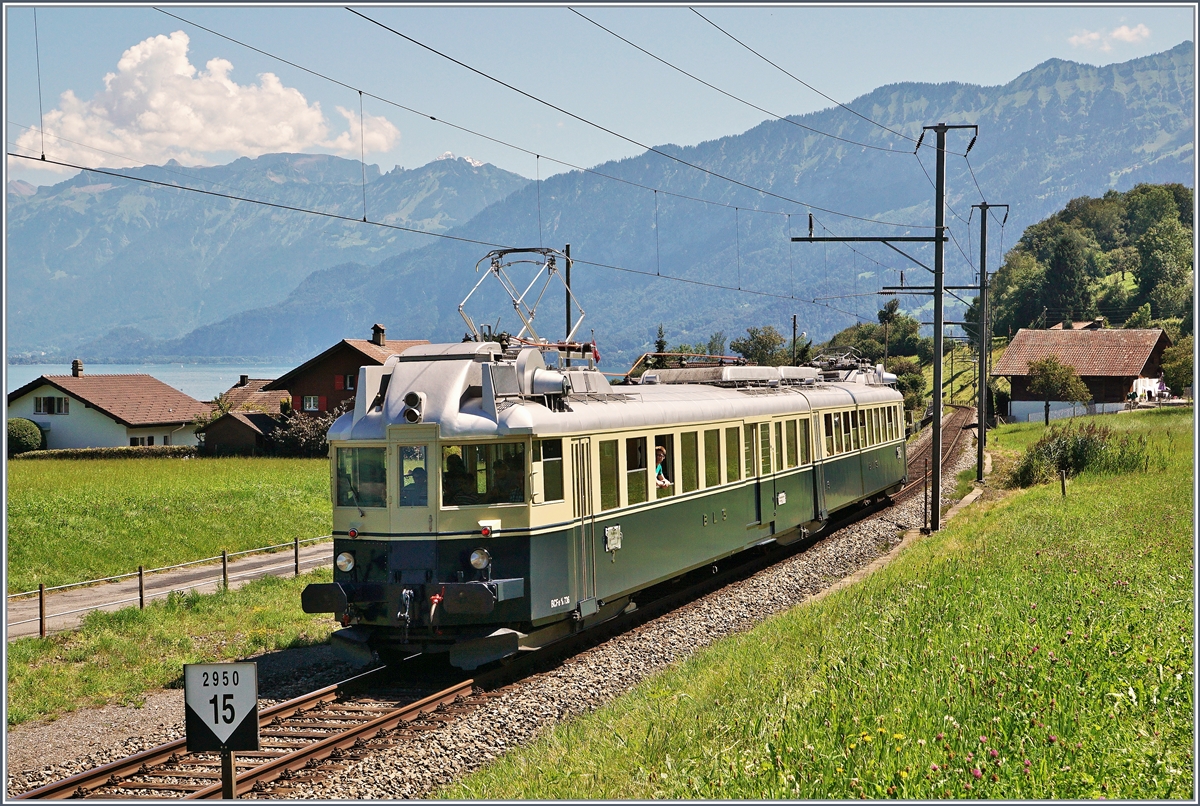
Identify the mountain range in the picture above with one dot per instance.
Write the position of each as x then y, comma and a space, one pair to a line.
1058, 131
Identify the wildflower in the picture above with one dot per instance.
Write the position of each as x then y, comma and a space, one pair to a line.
976, 772
993, 752
897, 735
904, 774
852, 745
934, 768
967, 786
983, 740
940, 736
866, 738
839, 769
922, 742
1027, 762
881, 730
1051, 738
995, 777
970, 756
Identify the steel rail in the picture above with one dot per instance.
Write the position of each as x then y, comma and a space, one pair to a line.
80, 784
956, 423
322, 749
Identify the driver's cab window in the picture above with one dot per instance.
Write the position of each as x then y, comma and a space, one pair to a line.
414, 476
362, 477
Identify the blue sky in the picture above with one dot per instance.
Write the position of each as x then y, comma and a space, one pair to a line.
167, 98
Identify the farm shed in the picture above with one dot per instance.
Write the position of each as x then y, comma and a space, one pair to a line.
248, 395
1107, 360
238, 432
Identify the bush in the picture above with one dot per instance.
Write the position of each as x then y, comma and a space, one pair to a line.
23, 436
903, 366
1091, 447
124, 452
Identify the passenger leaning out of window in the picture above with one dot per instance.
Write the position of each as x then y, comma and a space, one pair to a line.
660, 456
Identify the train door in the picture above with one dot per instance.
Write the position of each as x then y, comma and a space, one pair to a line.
750, 452
583, 530
766, 477
415, 513
819, 454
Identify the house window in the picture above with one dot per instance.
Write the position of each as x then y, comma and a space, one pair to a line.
135, 442
51, 405
166, 439
350, 379
150, 440
310, 402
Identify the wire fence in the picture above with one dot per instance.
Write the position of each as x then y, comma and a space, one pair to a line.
141, 574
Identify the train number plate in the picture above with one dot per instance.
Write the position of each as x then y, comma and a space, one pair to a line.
612, 538
560, 602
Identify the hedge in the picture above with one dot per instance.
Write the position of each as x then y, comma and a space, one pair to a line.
23, 436
124, 452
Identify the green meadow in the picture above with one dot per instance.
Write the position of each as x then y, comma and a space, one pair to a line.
76, 519
117, 657
1036, 647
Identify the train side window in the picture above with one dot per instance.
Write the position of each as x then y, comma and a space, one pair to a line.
749, 434
764, 438
805, 455
838, 446
733, 454
779, 445
491, 473
791, 443
549, 451
861, 440
712, 457
610, 494
873, 423
828, 434
891, 422
635, 469
666, 441
689, 457
847, 432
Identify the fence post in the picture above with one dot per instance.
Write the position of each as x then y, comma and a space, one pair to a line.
225, 567
142, 587
42, 609
925, 523
296, 553
1062, 477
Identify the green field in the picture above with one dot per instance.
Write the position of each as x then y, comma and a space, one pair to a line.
1037, 647
118, 657
76, 519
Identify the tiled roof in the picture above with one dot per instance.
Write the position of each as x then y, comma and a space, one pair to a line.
252, 394
133, 400
1110, 352
256, 421
374, 355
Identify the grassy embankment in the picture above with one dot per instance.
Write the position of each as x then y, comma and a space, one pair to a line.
71, 520
960, 378
1037, 647
118, 657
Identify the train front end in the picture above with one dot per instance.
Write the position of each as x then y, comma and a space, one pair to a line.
431, 509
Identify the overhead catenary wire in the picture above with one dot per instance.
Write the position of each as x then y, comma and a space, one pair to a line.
464, 129
810, 86
362, 143
626, 138
441, 235
735, 97
37, 53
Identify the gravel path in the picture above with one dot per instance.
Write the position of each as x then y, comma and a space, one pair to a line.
582, 684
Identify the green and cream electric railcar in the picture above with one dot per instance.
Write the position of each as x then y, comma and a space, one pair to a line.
483, 504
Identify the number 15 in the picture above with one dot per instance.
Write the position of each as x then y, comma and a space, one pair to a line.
226, 707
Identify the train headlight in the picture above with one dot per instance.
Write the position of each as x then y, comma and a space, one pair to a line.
345, 561
480, 559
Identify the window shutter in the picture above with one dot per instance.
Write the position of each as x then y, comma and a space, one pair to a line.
321, 403
339, 381
296, 403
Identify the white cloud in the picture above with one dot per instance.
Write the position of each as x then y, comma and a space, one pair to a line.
1104, 41
1127, 34
157, 106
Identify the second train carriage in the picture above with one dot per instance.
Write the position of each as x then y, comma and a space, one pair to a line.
486, 503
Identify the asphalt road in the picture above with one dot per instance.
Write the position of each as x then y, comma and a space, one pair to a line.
61, 605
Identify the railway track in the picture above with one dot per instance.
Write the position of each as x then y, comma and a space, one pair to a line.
953, 428
315, 735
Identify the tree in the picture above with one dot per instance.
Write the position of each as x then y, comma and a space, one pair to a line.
1178, 372
887, 314
1053, 380
716, 343
1066, 285
762, 346
660, 346
1140, 318
1165, 252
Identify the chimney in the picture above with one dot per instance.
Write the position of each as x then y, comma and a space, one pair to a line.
377, 335
77, 368
245, 379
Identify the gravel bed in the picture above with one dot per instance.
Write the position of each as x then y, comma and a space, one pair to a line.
91, 737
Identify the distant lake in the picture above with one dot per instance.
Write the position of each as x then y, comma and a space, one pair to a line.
201, 381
